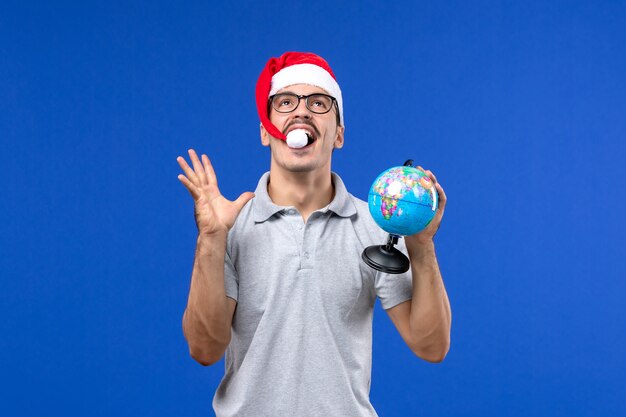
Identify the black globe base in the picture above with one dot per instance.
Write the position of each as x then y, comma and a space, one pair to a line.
386, 258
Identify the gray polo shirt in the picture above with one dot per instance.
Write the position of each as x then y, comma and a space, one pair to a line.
302, 330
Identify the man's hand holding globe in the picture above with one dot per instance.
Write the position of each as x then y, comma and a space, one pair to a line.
427, 234
404, 201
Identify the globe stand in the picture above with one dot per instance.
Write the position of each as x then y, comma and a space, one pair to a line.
386, 258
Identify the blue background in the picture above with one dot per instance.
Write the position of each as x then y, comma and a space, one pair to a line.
517, 106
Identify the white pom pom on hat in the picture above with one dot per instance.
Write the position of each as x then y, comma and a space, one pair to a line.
289, 69
297, 138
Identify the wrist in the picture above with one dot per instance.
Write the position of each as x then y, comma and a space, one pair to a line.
419, 246
212, 239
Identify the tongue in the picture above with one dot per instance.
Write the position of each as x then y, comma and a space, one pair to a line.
297, 138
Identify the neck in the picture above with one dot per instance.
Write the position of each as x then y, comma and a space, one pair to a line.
306, 191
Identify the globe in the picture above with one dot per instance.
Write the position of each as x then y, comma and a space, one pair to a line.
403, 200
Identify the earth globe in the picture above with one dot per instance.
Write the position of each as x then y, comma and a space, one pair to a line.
403, 201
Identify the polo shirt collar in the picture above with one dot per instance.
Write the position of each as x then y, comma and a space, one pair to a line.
264, 207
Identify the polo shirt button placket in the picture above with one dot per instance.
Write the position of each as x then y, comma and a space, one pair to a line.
295, 220
306, 244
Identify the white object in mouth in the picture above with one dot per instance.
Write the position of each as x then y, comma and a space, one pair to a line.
297, 138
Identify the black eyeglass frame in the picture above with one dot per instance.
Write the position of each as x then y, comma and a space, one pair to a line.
306, 102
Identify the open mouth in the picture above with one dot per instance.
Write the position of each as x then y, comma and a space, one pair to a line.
300, 138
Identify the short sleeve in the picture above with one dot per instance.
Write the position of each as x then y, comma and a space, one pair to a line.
231, 281
393, 289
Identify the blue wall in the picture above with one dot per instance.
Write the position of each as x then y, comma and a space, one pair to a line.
518, 107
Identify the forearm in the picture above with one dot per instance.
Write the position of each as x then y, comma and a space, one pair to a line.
206, 323
430, 317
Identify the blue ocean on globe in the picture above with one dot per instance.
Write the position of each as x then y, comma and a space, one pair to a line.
403, 200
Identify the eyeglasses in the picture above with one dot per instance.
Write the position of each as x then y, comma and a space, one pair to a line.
288, 102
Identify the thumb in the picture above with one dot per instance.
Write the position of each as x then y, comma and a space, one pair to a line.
243, 199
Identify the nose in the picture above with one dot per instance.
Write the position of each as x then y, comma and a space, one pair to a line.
301, 109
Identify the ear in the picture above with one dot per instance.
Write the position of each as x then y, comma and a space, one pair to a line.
265, 137
339, 137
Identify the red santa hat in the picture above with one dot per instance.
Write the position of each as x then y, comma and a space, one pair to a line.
289, 69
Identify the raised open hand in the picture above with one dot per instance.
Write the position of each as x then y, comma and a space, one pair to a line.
214, 213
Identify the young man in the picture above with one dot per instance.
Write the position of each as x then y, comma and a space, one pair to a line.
278, 282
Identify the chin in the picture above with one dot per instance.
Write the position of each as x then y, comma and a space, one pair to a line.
298, 163
300, 167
